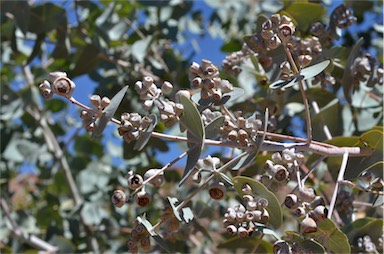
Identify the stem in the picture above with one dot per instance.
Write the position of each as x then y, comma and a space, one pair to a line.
28, 238
305, 100
339, 179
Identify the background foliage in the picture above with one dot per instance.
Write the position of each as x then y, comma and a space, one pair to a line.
46, 151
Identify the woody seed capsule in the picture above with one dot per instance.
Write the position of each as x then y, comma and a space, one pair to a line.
118, 198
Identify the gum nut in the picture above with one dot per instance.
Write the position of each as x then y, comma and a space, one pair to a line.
251, 206
118, 198
230, 216
239, 208
291, 201
182, 93
262, 202
148, 81
135, 181
105, 102
246, 189
281, 246
47, 94
242, 232
196, 83
140, 229
265, 215
300, 211
232, 135
63, 86
276, 157
143, 198
320, 213
281, 173
248, 198
249, 216
217, 190
319, 200
308, 225
268, 166
231, 229
145, 243
132, 244
240, 217
257, 215
166, 87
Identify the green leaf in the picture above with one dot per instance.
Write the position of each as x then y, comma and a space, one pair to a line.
55, 105
331, 237
247, 244
330, 116
191, 120
232, 46
304, 13
372, 139
365, 226
213, 128
20, 11
346, 81
259, 189
45, 18
108, 112
146, 135
87, 61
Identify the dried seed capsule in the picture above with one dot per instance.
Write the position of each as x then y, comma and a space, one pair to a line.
158, 180
300, 212
95, 100
140, 229
242, 232
280, 173
246, 189
319, 200
135, 181
132, 244
291, 201
265, 215
308, 225
320, 213
118, 198
64, 87
232, 135
55, 75
217, 190
143, 198
240, 217
281, 246
145, 243
232, 229
166, 87
262, 203
182, 93
275, 18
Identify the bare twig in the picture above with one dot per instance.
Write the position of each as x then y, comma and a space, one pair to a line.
28, 238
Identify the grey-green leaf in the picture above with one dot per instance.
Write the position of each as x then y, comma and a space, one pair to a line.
146, 135
213, 128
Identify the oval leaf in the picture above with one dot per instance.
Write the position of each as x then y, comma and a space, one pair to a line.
259, 189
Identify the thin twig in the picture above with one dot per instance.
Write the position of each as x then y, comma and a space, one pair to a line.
340, 177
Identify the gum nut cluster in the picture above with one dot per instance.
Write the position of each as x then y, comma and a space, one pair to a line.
90, 117
308, 208
323, 79
149, 92
132, 125
275, 31
342, 17
242, 131
366, 245
284, 165
231, 63
206, 77
241, 220
135, 181
57, 83
362, 69
305, 49
208, 116
139, 238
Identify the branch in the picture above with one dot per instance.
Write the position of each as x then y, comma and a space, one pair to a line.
28, 238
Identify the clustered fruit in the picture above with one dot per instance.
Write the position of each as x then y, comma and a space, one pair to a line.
308, 207
366, 245
139, 237
89, 117
206, 77
57, 83
132, 125
363, 68
281, 168
241, 220
231, 63
170, 111
241, 130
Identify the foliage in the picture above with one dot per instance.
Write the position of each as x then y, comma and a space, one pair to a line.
73, 183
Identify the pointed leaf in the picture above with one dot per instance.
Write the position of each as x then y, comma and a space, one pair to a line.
245, 161
108, 112
331, 237
146, 135
185, 214
226, 178
191, 119
148, 226
259, 189
193, 157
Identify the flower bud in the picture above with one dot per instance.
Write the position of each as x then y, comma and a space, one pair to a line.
118, 198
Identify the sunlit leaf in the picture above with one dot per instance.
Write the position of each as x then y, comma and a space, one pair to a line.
259, 189
108, 112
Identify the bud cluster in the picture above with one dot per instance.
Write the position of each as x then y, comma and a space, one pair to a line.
207, 116
206, 77
305, 49
139, 237
362, 70
308, 207
231, 63
89, 117
242, 131
132, 125
57, 83
241, 220
366, 245
281, 168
